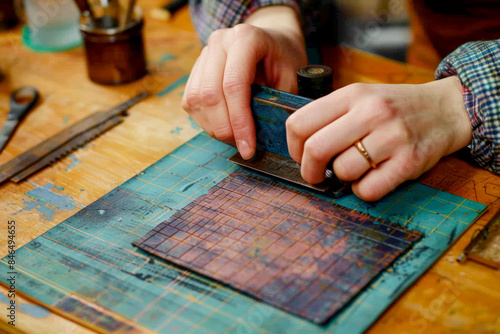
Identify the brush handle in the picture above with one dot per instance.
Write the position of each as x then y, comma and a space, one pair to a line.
130, 12
83, 6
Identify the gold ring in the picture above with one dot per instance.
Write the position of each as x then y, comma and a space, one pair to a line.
364, 153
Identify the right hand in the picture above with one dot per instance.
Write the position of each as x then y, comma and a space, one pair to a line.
267, 50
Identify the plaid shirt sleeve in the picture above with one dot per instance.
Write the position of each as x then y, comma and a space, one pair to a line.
210, 15
477, 65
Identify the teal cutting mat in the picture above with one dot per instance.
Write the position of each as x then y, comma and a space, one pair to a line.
87, 267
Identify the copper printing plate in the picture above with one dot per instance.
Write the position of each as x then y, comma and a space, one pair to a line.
291, 249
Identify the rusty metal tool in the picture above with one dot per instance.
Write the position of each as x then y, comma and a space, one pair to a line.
65, 141
270, 109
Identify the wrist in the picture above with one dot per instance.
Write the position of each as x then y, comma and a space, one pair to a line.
282, 20
451, 104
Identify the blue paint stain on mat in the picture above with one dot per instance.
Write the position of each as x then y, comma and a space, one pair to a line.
174, 85
47, 202
90, 254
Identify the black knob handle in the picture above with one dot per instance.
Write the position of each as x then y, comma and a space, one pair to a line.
315, 81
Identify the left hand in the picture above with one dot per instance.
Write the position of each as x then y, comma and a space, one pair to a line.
405, 129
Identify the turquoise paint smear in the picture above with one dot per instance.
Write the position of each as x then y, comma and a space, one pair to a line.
176, 131
193, 124
35, 310
174, 85
47, 202
73, 163
66, 119
166, 58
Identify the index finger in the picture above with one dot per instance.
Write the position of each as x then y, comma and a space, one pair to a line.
239, 74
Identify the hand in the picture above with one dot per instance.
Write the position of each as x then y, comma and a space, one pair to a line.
405, 129
267, 49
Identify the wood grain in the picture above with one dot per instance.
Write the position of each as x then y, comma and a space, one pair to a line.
449, 298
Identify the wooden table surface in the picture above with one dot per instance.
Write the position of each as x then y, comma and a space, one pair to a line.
449, 298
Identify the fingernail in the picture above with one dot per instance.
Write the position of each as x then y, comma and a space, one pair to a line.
244, 148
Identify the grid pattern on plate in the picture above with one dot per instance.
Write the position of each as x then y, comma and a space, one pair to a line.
290, 249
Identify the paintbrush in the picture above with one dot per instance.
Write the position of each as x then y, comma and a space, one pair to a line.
165, 13
83, 6
109, 12
130, 12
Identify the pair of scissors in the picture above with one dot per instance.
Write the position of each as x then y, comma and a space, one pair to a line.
21, 101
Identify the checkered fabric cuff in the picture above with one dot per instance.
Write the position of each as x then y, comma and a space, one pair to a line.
477, 65
210, 15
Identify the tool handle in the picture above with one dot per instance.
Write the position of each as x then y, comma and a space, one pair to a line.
315, 81
21, 101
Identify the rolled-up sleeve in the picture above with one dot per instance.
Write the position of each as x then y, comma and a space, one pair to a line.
210, 15
477, 64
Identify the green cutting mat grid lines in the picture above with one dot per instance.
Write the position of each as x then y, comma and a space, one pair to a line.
89, 256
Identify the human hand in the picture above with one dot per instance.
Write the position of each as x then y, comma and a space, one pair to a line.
405, 129
268, 49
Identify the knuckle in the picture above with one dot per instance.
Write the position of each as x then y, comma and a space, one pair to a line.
185, 106
232, 85
210, 96
192, 100
358, 89
292, 126
244, 30
381, 109
216, 37
400, 134
314, 149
